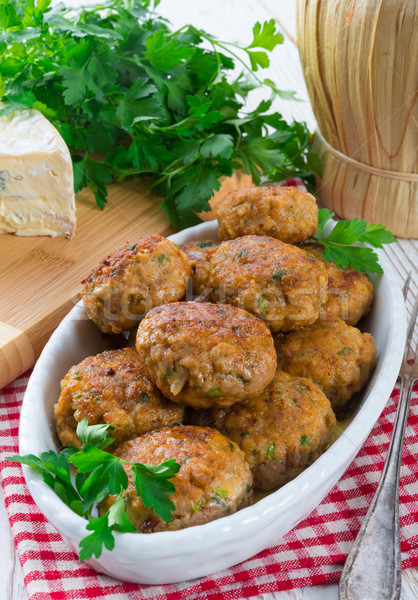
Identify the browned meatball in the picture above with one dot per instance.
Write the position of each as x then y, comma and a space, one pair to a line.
277, 282
196, 251
335, 356
112, 388
214, 480
134, 279
204, 354
350, 294
281, 431
285, 213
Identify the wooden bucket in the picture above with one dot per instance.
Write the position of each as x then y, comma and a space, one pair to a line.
360, 62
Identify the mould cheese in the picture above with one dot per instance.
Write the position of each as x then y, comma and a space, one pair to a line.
36, 177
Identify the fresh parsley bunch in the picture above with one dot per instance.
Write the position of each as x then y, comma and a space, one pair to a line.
338, 243
99, 473
146, 101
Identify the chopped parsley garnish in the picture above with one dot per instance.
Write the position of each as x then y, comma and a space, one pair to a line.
205, 244
241, 254
78, 376
214, 391
304, 439
169, 373
271, 451
221, 502
144, 397
344, 351
198, 505
262, 304
220, 492
161, 258
279, 274
303, 353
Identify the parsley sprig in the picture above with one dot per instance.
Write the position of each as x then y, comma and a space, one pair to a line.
132, 98
338, 243
97, 474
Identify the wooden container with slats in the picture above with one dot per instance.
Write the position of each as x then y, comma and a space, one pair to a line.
359, 59
40, 276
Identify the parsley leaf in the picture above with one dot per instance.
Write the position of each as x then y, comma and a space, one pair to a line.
92, 545
324, 215
152, 484
92, 174
377, 235
265, 36
165, 54
359, 259
98, 474
152, 102
139, 99
338, 243
96, 435
56, 474
103, 528
221, 145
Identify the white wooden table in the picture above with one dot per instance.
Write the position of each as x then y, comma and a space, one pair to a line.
233, 20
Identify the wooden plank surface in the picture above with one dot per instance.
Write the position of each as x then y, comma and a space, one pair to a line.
233, 20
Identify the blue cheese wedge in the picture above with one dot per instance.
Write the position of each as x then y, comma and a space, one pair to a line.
36, 177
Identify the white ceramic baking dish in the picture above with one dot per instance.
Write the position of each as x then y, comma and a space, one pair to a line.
197, 551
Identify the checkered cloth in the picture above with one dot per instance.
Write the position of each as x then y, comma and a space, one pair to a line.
310, 554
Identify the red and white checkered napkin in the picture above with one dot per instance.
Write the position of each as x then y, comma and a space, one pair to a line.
310, 554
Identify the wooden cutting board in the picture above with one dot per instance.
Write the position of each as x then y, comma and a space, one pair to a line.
40, 276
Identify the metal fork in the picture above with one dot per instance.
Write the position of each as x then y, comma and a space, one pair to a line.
373, 567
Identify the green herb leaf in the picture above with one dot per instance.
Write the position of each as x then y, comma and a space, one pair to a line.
117, 516
140, 99
358, 258
92, 545
262, 304
105, 473
95, 435
165, 52
266, 36
324, 215
338, 248
220, 492
220, 145
99, 474
271, 452
279, 274
377, 235
344, 351
153, 485
153, 102
56, 474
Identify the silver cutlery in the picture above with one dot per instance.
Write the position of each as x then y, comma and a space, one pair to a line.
373, 567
